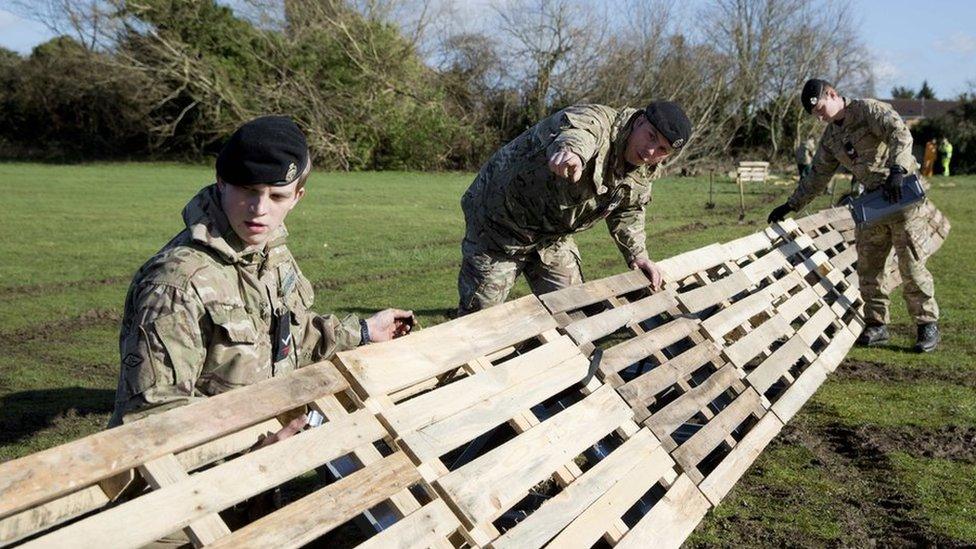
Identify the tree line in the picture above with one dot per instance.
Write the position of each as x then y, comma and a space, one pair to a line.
389, 84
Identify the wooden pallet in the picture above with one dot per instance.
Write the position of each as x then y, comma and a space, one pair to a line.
167, 450
489, 430
522, 422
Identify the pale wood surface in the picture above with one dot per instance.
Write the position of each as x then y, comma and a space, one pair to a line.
51, 473
213, 490
321, 511
383, 368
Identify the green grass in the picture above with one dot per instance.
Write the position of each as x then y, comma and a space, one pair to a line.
74, 235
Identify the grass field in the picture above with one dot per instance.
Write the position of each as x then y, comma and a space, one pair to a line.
884, 453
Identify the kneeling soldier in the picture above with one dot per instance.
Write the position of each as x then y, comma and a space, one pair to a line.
224, 304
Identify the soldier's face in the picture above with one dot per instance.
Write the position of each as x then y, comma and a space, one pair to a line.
255, 212
645, 145
829, 107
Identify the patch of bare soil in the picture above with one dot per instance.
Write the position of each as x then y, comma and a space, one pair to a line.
861, 370
881, 514
53, 287
55, 330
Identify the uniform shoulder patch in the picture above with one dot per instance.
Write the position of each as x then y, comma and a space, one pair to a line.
175, 266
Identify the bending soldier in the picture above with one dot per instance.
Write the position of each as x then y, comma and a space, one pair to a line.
870, 139
584, 164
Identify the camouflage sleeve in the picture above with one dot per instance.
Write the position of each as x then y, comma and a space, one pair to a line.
162, 352
885, 122
581, 129
322, 335
813, 185
626, 225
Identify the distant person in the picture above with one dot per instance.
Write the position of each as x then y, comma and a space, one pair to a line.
224, 304
581, 165
868, 138
945, 155
804, 156
928, 162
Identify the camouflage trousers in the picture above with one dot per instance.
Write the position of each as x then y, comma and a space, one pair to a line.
487, 277
904, 231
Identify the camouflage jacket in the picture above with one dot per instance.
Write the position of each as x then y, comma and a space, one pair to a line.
868, 141
516, 204
198, 316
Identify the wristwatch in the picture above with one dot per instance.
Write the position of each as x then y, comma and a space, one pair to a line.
363, 332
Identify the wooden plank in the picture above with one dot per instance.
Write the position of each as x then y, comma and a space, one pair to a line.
684, 265
814, 327
216, 489
494, 482
761, 337
711, 435
746, 245
831, 356
777, 364
547, 521
576, 297
738, 313
828, 240
797, 304
166, 471
666, 420
384, 368
592, 328
451, 399
233, 443
718, 483
671, 520
321, 511
640, 390
701, 298
480, 416
590, 526
637, 348
423, 528
20, 525
43, 476
800, 391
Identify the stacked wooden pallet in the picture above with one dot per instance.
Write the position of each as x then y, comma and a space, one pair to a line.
605, 411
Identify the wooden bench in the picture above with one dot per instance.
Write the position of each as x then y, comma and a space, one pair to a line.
170, 450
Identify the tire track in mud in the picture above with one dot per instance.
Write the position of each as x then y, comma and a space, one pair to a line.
57, 330
13, 292
882, 514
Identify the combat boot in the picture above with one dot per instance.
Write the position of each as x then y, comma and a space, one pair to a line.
873, 334
928, 337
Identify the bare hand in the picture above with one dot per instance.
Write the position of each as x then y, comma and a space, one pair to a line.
390, 323
287, 431
567, 165
651, 271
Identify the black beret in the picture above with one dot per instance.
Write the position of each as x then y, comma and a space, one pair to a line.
670, 120
813, 90
269, 150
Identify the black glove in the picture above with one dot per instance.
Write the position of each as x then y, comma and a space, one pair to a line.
892, 185
779, 213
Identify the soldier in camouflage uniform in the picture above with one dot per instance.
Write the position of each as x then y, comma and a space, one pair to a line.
870, 139
224, 304
582, 165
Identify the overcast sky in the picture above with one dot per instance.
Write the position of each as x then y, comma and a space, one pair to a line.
911, 41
